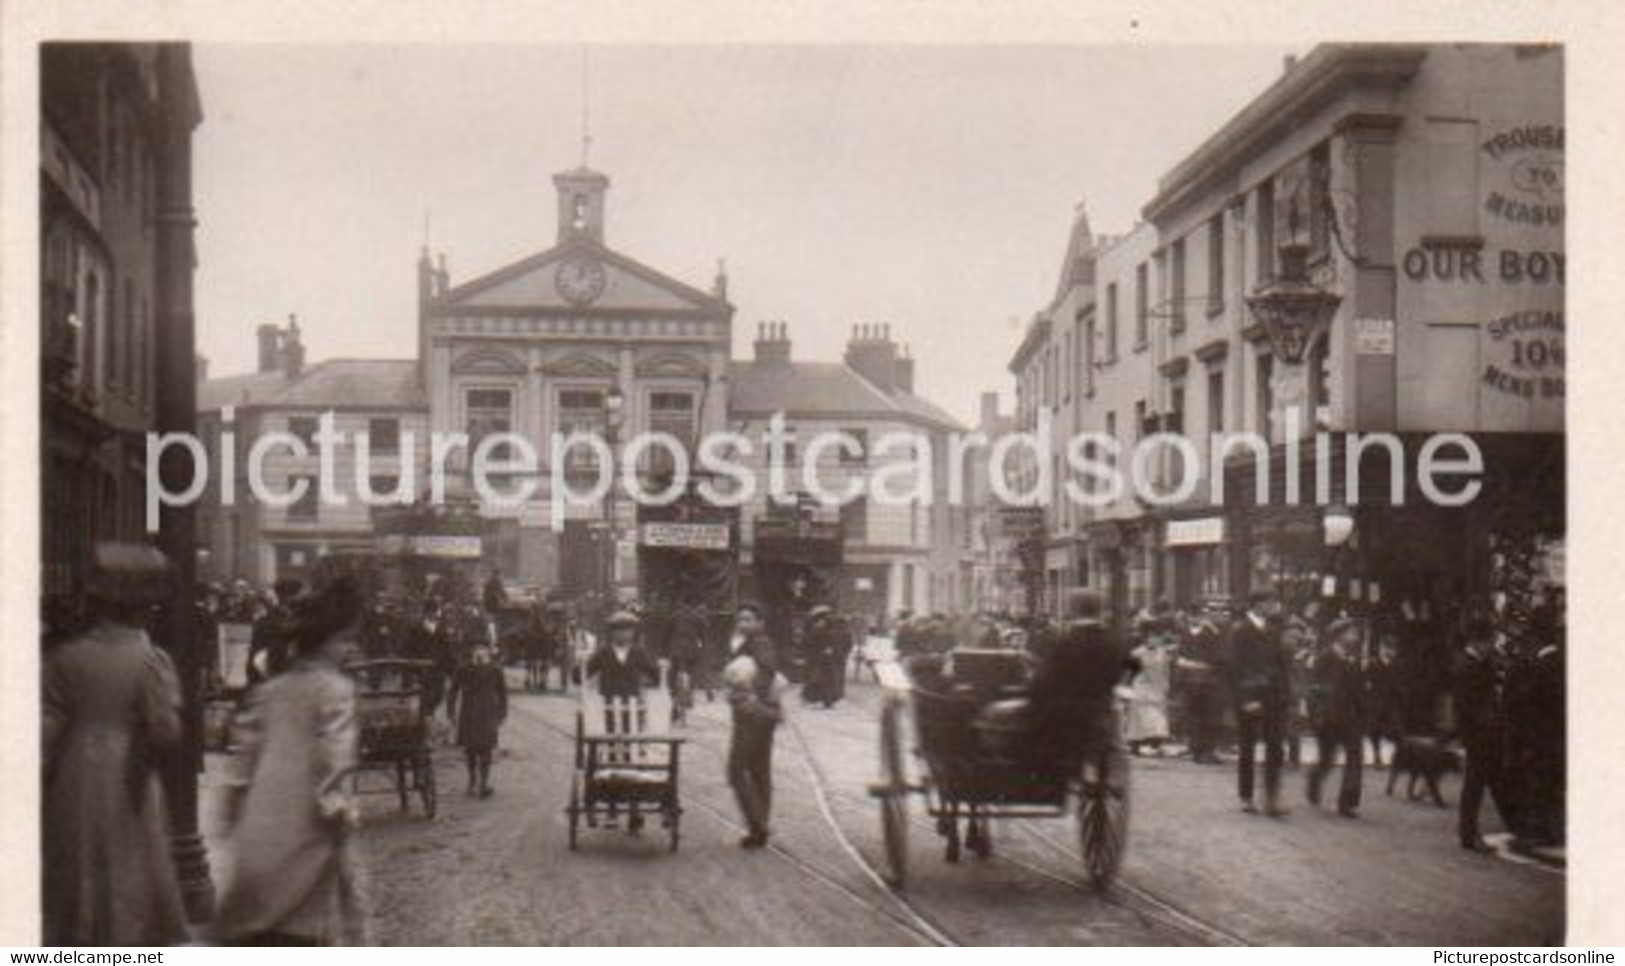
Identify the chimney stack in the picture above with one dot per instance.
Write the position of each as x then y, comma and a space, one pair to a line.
905, 370
1288, 62
293, 351
873, 354
772, 344
719, 287
269, 339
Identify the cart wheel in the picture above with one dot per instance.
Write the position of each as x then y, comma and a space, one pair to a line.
893, 796
574, 809
426, 785
1103, 814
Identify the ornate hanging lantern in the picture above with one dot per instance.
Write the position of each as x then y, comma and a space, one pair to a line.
1293, 310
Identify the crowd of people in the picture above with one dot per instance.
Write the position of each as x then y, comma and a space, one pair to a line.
1259, 682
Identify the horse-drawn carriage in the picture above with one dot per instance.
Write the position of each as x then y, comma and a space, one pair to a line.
395, 733
977, 769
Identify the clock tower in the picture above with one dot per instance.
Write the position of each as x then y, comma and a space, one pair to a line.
581, 204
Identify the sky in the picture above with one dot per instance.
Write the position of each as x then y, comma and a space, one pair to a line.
928, 188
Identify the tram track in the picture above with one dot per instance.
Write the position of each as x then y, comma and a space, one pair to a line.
908, 914
904, 917
1123, 893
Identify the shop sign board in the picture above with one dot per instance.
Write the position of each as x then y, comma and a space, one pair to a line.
1200, 532
685, 536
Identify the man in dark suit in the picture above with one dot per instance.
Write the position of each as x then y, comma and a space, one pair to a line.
1075, 671
621, 665
1260, 669
1337, 713
1480, 718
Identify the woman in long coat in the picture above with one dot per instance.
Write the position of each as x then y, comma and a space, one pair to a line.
478, 702
290, 806
111, 706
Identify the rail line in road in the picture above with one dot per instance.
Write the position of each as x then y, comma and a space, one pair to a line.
1123, 894
905, 916
903, 911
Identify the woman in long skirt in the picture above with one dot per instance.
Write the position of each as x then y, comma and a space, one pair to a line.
290, 808
1147, 722
111, 704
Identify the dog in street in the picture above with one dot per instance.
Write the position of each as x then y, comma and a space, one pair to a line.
1423, 759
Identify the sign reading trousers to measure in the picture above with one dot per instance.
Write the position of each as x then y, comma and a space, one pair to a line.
685, 536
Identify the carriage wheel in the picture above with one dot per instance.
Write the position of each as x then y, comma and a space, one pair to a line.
893, 794
1103, 814
426, 785
574, 808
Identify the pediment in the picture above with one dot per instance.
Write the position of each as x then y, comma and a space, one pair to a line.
672, 365
580, 365
535, 284
490, 362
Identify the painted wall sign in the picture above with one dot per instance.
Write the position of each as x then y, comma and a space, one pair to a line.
1528, 354
1467, 262
1525, 174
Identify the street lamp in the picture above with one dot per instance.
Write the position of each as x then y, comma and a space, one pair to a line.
1293, 310
1338, 524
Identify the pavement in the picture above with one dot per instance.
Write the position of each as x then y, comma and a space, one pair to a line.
1198, 871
